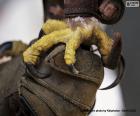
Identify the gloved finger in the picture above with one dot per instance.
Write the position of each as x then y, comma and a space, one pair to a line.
33, 72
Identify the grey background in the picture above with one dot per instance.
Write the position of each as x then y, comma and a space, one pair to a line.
129, 26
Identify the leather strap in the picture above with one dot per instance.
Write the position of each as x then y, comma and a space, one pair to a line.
73, 8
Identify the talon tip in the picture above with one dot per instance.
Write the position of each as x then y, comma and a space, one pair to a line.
73, 69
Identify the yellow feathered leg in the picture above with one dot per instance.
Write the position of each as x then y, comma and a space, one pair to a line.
104, 42
53, 25
31, 55
71, 46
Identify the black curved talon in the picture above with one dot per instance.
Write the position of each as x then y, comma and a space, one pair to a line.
32, 71
121, 70
4, 48
73, 69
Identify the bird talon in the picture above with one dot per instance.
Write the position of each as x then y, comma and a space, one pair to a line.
73, 69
